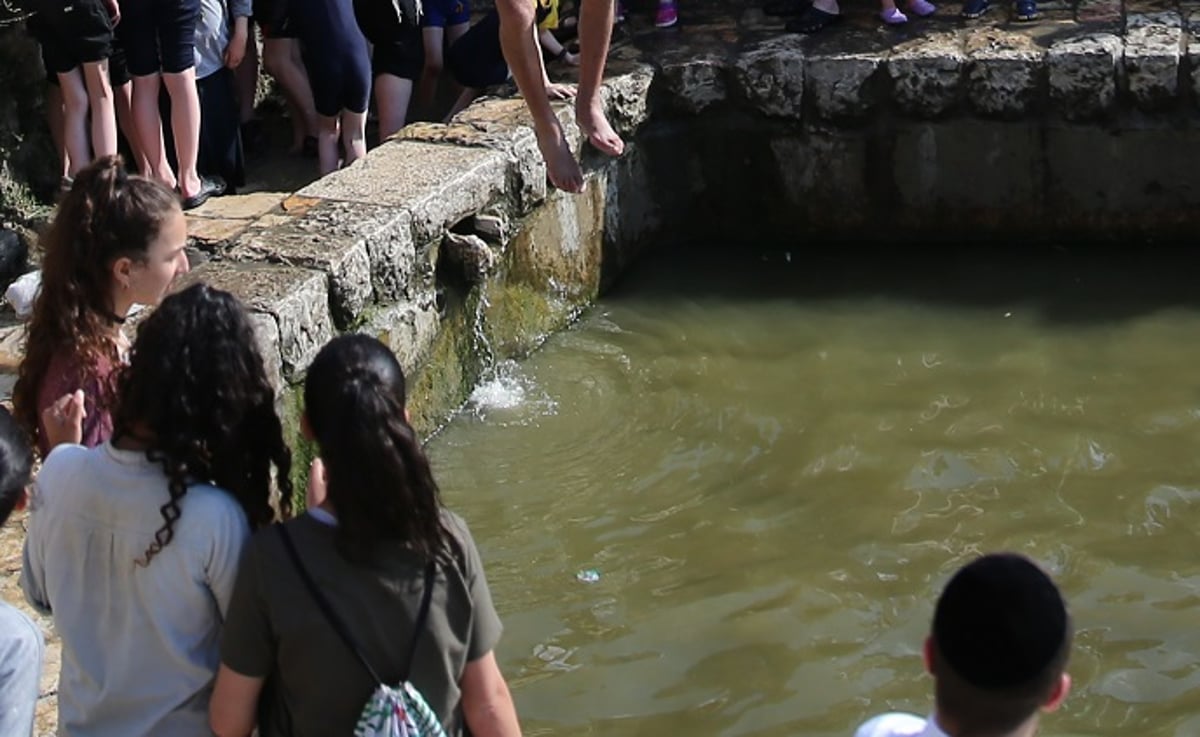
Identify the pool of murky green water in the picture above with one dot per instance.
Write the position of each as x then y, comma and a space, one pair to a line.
773, 460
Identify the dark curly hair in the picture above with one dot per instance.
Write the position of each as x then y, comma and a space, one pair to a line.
16, 464
379, 480
107, 215
197, 395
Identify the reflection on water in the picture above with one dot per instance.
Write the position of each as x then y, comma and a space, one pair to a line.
774, 464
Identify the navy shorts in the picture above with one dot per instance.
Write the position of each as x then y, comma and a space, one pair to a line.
403, 57
159, 35
442, 13
476, 60
72, 33
339, 81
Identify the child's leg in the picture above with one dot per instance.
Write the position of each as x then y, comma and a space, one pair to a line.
148, 127
185, 125
281, 57
75, 113
432, 71
56, 119
327, 143
123, 103
392, 96
354, 134
464, 100
100, 105
246, 76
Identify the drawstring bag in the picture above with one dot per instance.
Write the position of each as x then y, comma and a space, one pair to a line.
392, 711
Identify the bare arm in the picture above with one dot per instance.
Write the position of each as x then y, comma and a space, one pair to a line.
234, 705
518, 40
487, 703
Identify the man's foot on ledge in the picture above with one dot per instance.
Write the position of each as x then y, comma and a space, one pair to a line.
595, 127
561, 166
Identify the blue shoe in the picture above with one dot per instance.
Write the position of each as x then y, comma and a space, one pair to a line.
975, 8
1027, 10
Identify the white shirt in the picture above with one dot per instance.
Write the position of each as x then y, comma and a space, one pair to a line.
899, 724
139, 643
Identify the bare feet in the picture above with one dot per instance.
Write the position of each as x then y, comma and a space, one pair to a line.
590, 116
561, 166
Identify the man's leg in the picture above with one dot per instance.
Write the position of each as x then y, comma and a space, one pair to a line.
595, 32
519, 41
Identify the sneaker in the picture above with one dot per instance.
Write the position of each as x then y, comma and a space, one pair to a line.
975, 8
1027, 10
893, 17
667, 14
921, 8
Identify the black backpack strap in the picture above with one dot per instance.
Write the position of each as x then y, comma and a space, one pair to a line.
340, 627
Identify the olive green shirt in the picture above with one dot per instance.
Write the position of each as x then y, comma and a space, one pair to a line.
315, 684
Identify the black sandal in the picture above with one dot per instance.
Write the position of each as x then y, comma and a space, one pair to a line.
812, 20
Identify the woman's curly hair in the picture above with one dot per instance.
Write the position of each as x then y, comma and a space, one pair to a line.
107, 215
197, 394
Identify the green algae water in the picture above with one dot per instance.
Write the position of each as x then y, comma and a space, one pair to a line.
772, 461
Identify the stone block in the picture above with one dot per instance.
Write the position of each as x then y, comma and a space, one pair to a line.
625, 99
694, 84
1193, 54
505, 125
296, 299
968, 174
365, 250
408, 328
770, 77
820, 172
927, 74
839, 84
1100, 178
1083, 75
438, 185
1103, 13
1004, 71
1154, 46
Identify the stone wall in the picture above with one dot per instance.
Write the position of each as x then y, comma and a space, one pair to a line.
27, 156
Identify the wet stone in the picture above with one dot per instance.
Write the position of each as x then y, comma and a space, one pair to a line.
1003, 73
927, 74
1154, 46
1083, 75
840, 84
770, 77
695, 84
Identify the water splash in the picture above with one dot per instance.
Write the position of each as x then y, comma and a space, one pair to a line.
508, 396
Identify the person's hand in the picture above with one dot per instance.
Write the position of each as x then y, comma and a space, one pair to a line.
63, 420
557, 91
236, 50
114, 11
317, 489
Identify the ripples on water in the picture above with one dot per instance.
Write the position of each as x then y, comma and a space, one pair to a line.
775, 464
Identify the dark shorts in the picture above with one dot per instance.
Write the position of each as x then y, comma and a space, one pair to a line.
72, 33
476, 59
403, 58
340, 81
159, 35
273, 18
442, 13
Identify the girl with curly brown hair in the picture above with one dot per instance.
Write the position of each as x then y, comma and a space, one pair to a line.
117, 240
133, 546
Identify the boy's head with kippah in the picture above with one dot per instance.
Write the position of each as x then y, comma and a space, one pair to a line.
998, 649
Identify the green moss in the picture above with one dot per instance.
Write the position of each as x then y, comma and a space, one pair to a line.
303, 450
519, 317
449, 371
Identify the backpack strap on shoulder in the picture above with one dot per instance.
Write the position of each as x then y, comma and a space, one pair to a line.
422, 617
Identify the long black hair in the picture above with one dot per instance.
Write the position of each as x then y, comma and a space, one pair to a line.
379, 480
197, 394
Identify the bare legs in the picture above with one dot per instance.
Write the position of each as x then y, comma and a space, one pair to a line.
392, 96
353, 137
148, 125
185, 125
437, 40
85, 90
595, 33
281, 57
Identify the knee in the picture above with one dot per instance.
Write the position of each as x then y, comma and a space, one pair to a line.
434, 66
521, 11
